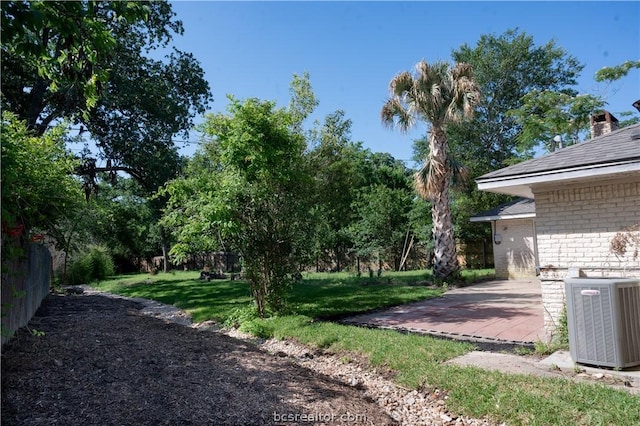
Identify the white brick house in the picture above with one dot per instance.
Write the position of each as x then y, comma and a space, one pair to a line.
584, 194
515, 253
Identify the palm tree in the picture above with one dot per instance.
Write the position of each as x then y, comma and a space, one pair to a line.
439, 95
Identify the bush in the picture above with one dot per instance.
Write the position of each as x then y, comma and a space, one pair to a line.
238, 316
93, 265
247, 320
259, 328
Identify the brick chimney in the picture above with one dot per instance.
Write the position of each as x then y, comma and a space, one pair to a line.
602, 123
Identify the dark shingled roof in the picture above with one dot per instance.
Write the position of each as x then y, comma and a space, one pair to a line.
617, 146
521, 206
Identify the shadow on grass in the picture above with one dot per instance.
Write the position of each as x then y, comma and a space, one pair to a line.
205, 300
322, 296
334, 300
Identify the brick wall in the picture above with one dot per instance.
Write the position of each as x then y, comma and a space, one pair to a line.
515, 256
574, 227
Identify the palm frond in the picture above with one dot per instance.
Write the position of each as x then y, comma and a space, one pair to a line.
423, 69
395, 114
433, 89
421, 181
401, 84
436, 97
427, 180
460, 70
425, 77
460, 174
465, 94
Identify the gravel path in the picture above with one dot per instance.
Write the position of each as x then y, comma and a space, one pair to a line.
105, 359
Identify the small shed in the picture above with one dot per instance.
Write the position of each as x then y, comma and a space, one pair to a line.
515, 250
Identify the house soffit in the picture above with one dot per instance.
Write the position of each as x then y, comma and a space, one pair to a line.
523, 185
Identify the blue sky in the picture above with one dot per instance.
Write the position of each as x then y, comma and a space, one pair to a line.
353, 49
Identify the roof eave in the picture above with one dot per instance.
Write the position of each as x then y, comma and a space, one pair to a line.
521, 185
502, 217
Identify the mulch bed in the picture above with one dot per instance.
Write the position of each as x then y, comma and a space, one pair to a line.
102, 362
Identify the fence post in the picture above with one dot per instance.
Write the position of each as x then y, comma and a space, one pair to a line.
484, 255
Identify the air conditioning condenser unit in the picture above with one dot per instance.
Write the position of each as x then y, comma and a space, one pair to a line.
603, 318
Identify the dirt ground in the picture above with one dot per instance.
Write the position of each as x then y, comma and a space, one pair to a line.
101, 361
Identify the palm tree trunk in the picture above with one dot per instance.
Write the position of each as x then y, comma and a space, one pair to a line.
445, 257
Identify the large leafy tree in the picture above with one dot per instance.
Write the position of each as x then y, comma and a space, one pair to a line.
337, 165
507, 67
361, 198
381, 208
546, 114
256, 198
90, 62
95, 63
53, 56
190, 203
57, 55
439, 95
609, 75
38, 189
125, 220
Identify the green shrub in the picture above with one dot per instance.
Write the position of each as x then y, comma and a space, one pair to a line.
248, 321
93, 265
79, 271
258, 328
238, 316
563, 328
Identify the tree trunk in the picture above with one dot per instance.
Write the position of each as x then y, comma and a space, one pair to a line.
165, 251
36, 102
445, 263
405, 251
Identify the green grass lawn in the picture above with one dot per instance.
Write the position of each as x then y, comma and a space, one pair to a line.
418, 360
318, 295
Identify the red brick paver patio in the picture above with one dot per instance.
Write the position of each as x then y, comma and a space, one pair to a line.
508, 311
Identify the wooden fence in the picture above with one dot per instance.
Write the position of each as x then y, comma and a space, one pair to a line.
223, 261
25, 282
475, 254
472, 255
